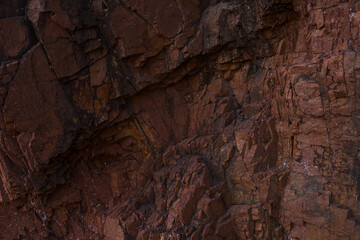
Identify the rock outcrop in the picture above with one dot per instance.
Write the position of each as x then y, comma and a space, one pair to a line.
180, 119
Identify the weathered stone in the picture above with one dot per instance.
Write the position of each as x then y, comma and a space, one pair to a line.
179, 119
15, 39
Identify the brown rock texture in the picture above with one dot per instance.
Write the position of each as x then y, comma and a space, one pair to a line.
180, 119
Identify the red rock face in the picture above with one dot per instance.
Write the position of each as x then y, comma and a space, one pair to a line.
179, 119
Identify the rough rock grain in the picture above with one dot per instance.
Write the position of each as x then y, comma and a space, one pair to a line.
179, 119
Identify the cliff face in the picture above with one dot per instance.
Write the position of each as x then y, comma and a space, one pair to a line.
179, 119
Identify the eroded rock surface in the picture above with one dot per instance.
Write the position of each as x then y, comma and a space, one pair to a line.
179, 119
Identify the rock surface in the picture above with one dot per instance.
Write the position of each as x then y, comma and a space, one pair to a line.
179, 119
